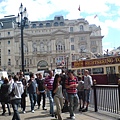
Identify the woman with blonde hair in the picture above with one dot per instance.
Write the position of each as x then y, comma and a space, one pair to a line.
57, 95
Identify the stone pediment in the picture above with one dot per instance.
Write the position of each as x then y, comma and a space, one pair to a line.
24, 35
59, 32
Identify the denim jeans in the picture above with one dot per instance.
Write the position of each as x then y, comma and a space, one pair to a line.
65, 94
23, 102
49, 95
15, 103
39, 99
87, 95
3, 107
73, 103
33, 99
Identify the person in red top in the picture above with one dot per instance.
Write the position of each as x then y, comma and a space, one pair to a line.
71, 85
49, 87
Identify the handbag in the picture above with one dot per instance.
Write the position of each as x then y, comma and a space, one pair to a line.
65, 108
12, 94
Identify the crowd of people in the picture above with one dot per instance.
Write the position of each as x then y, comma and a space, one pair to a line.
66, 91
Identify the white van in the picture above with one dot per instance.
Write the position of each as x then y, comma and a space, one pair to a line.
4, 74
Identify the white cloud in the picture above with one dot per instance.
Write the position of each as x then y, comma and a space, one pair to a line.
107, 45
97, 21
40, 10
113, 24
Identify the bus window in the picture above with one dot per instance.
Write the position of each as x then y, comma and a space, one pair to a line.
110, 70
78, 72
111, 75
98, 70
82, 70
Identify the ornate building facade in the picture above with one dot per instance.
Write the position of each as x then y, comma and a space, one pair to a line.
47, 44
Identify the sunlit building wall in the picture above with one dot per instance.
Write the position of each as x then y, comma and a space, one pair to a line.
48, 44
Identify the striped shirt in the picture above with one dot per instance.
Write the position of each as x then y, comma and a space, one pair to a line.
71, 90
49, 82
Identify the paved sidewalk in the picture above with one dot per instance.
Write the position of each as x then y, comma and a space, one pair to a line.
44, 115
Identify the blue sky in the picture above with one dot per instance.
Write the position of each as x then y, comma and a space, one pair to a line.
107, 11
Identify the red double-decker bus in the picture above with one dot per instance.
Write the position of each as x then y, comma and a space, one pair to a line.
103, 70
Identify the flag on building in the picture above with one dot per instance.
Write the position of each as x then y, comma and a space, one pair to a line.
95, 16
79, 8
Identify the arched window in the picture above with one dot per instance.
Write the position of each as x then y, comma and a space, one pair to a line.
61, 23
34, 26
82, 48
40, 25
48, 25
56, 24
60, 46
81, 28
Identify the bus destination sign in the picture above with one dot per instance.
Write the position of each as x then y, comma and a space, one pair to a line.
95, 62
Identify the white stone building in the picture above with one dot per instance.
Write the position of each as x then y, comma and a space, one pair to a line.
47, 44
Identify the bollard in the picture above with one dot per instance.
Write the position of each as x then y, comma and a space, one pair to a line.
95, 96
119, 92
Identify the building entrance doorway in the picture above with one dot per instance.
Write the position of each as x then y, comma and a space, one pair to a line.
42, 65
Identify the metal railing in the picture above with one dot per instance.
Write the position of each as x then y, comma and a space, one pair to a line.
106, 97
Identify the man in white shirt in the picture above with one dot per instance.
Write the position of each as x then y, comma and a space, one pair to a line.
87, 89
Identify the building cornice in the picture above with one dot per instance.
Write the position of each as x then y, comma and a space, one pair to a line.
96, 37
59, 32
9, 37
80, 32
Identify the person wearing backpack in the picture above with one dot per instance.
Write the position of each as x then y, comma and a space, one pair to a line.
17, 89
71, 86
5, 99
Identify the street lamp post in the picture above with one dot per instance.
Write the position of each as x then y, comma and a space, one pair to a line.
21, 21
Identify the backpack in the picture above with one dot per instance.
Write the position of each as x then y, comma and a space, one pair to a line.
12, 93
5, 93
